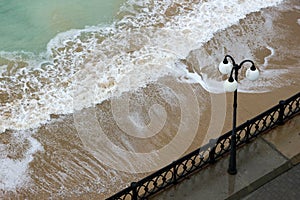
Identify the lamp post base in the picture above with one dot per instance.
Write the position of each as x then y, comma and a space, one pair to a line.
232, 171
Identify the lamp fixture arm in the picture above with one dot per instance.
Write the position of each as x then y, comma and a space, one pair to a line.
252, 66
231, 58
237, 67
240, 65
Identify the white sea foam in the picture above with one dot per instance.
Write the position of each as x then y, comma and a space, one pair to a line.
143, 45
13, 172
267, 58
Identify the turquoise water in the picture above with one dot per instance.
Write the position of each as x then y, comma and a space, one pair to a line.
29, 25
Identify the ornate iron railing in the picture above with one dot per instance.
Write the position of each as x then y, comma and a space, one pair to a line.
209, 153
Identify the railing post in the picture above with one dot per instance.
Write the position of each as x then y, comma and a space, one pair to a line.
281, 112
247, 140
174, 173
134, 190
212, 144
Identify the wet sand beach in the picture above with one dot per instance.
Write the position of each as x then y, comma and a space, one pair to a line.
96, 151
66, 170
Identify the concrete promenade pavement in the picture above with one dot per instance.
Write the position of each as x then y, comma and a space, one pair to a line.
286, 186
267, 169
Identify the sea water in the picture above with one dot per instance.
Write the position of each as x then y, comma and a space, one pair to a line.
30, 24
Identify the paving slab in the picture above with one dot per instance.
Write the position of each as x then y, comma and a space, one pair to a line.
286, 139
286, 186
254, 161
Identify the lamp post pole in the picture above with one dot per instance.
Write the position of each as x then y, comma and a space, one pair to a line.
232, 160
252, 75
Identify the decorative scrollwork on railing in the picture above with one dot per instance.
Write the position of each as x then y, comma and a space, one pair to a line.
292, 106
222, 145
242, 135
263, 122
210, 152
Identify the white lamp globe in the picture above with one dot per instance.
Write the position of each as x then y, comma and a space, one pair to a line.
230, 85
225, 68
252, 73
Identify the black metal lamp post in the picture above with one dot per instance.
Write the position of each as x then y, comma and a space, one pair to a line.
230, 85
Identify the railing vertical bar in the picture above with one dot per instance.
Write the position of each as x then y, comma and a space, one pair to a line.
134, 191
281, 112
212, 144
174, 173
247, 137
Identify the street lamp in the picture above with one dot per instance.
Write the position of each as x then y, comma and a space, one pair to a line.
231, 85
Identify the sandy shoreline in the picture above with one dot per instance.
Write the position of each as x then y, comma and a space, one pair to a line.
65, 165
